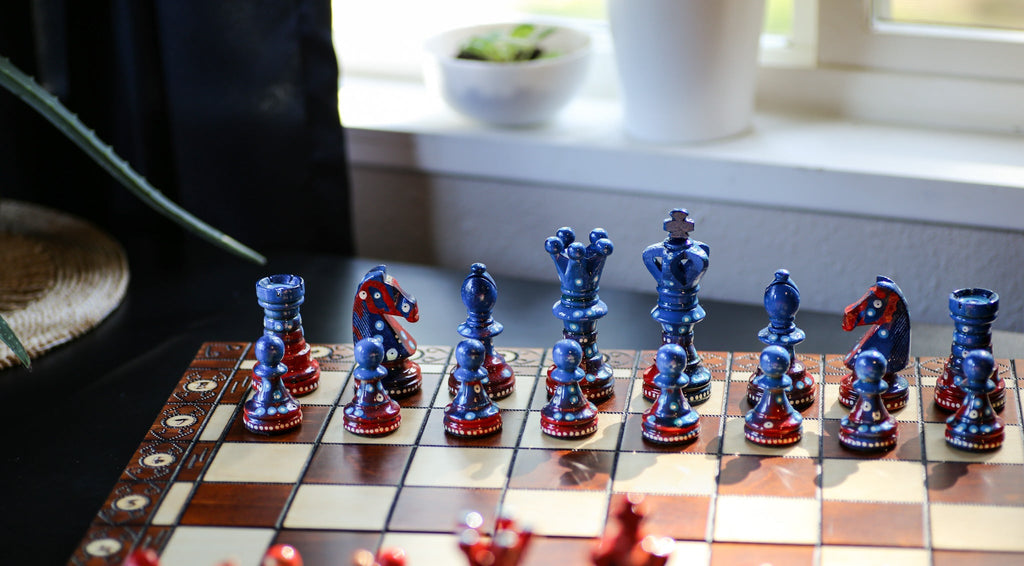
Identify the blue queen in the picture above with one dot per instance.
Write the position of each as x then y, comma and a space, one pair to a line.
579, 268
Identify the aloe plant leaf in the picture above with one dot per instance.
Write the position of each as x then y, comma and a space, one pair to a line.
47, 105
8, 337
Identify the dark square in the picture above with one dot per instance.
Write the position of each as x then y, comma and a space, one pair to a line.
708, 440
368, 464
511, 425
195, 461
562, 469
975, 558
976, 483
546, 551
313, 417
908, 443
236, 504
872, 524
439, 509
131, 503
736, 404
751, 554
327, 548
768, 476
681, 517
617, 402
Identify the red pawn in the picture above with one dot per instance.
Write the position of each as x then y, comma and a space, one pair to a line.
975, 427
372, 412
282, 555
626, 545
505, 548
272, 409
773, 422
386, 557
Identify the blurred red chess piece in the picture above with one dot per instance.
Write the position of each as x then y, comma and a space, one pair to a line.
626, 545
282, 555
505, 548
386, 557
142, 557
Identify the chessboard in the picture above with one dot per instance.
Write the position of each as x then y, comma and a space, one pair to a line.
200, 489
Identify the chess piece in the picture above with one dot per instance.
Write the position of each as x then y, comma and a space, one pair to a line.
271, 409
479, 292
505, 548
973, 311
579, 269
372, 412
281, 296
388, 556
568, 414
671, 420
773, 421
975, 427
471, 413
379, 300
869, 427
677, 264
142, 557
625, 545
884, 308
782, 301
282, 555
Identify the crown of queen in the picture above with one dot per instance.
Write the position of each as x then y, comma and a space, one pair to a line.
579, 266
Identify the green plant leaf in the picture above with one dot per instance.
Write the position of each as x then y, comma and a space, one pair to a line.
47, 105
8, 337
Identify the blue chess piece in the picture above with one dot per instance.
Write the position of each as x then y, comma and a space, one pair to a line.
773, 421
372, 411
869, 427
671, 419
973, 311
272, 408
975, 427
479, 293
677, 264
281, 297
782, 301
568, 414
471, 413
579, 269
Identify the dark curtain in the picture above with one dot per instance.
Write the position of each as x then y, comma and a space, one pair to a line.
229, 108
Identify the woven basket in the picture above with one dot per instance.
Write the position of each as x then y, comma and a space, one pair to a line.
60, 278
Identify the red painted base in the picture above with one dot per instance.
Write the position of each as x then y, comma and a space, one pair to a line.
773, 422
669, 435
596, 390
584, 425
303, 375
894, 398
472, 428
384, 420
975, 441
404, 378
801, 394
949, 396
501, 379
276, 423
876, 438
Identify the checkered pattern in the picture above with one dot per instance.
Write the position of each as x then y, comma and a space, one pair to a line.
201, 488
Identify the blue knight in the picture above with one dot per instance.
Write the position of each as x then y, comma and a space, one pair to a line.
579, 268
678, 263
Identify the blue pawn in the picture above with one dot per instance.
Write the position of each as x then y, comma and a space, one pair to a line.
471, 413
869, 427
272, 408
975, 427
371, 412
671, 420
782, 301
568, 414
773, 421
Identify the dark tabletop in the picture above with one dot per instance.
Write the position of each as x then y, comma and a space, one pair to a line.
82, 410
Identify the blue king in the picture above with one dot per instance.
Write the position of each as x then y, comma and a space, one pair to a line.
579, 268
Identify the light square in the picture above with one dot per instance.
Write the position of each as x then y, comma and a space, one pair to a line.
343, 507
426, 548
666, 473
936, 449
690, 553
172, 504
606, 438
873, 480
189, 546
735, 443
559, 513
740, 375
251, 462
459, 467
760, 519
520, 398
327, 392
407, 433
218, 422
247, 364
977, 527
860, 555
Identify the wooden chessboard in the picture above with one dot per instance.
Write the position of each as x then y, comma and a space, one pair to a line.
201, 488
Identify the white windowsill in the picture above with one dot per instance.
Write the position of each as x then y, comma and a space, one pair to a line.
819, 164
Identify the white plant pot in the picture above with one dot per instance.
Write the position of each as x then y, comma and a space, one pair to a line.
687, 68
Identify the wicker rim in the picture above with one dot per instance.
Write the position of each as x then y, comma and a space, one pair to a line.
61, 277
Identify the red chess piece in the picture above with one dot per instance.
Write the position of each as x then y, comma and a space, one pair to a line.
282, 555
372, 412
773, 422
281, 296
379, 301
142, 557
568, 414
389, 556
505, 548
975, 427
625, 544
